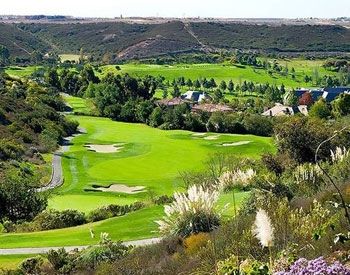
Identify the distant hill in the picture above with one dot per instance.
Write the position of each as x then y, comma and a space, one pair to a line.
20, 42
135, 40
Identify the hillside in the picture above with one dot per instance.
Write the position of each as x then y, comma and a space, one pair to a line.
122, 41
278, 38
20, 43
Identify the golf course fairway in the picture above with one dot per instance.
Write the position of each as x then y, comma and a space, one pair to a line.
146, 157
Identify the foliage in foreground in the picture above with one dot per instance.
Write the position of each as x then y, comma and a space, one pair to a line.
191, 213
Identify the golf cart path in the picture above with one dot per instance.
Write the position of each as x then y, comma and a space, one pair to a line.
42, 250
57, 173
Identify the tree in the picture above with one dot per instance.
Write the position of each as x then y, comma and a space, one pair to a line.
299, 137
156, 118
341, 105
258, 125
223, 85
128, 112
176, 91
197, 84
230, 86
293, 72
307, 79
218, 95
4, 54
212, 83
19, 199
320, 109
283, 89
189, 83
290, 99
144, 110
273, 94
70, 82
87, 75
81, 56
315, 76
52, 79
244, 86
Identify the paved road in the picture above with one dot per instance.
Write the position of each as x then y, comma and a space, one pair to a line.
42, 250
57, 174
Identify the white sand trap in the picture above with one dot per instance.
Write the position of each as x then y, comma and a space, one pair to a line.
212, 137
113, 148
121, 188
199, 134
236, 143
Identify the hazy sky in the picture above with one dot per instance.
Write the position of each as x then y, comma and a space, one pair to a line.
180, 8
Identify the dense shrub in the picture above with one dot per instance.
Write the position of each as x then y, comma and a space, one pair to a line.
258, 125
60, 260
105, 252
53, 219
10, 150
195, 242
164, 199
31, 266
298, 137
113, 210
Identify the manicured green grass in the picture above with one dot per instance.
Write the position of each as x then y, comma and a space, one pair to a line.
10, 262
80, 105
217, 71
135, 225
17, 71
226, 205
88, 202
226, 72
149, 157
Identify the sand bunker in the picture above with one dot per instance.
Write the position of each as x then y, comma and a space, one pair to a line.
113, 148
121, 188
199, 134
236, 143
212, 137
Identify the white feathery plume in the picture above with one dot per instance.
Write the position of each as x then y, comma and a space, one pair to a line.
263, 229
236, 178
307, 172
196, 200
339, 154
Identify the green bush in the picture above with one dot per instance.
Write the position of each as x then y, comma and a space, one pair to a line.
10, 150
258, 125
53, 219
107, 251
164, 199
112, 210
61, 261
31, 266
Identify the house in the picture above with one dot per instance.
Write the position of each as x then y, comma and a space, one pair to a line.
329, 94
282, 110
172, 102
315, 93
196, 96
211, 108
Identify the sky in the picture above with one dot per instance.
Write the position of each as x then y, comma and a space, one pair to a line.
180, 8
